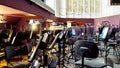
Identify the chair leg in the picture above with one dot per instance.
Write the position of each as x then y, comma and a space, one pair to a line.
117, 54
110, 63
8, 61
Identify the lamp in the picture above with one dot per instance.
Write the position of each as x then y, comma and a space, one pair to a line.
34, 24
31, 21
34, 21
2, 19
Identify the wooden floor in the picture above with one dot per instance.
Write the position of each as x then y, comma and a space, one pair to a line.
13, 62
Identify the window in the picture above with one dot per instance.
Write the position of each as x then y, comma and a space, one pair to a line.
115, 2
50, 3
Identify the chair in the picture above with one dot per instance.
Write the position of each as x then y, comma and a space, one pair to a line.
114, 44
10, 52
29, 47
89, 52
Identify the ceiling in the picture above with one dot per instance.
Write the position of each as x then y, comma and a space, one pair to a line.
13, 15
8, 11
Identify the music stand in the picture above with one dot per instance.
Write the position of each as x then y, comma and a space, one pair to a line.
32, 57
104, 34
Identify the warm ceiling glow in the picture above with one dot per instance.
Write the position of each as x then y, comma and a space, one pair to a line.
5, 10
49, 20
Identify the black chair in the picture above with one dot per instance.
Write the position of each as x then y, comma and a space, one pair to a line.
10, 52
29, 47
114, 45
89, 52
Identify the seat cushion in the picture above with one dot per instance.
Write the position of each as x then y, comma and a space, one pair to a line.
94, 63
92, 51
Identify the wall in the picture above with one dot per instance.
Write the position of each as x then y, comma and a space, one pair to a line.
27, 6
76, 20
11, 21
115, 20
22, 25
85, 8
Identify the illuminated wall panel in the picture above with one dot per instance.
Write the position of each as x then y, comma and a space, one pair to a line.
82, 8
86, 8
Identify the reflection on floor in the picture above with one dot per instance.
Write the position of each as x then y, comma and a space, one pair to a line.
14, 62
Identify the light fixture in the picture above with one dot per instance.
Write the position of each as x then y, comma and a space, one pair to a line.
52, 27
34, 21
31, 21
69, 24
49, 20
2, 19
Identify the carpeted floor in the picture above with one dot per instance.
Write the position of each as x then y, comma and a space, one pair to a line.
24, 63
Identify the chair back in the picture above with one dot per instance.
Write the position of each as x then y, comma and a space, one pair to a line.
92, 51
10, 52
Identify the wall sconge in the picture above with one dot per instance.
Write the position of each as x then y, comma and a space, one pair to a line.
31, 21
52, 27
34, 21
69, 24
2, 19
